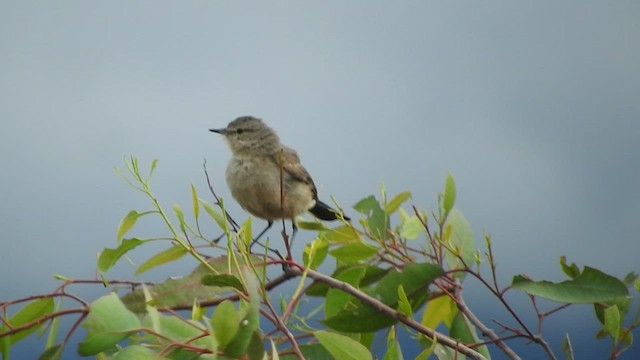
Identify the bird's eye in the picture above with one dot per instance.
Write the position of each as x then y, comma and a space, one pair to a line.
239, 131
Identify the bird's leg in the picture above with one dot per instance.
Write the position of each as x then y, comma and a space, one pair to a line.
288, 241
293, 232
269, 224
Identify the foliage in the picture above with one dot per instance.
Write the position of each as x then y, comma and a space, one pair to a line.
396, 267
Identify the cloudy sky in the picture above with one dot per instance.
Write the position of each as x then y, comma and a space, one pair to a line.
534, 107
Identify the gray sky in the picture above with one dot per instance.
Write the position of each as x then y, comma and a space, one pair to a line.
533, 107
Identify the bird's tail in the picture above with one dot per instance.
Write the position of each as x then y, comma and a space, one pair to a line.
324, 212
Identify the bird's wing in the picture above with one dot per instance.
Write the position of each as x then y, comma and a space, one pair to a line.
290, 162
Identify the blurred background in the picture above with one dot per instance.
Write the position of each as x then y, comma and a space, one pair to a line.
534, 107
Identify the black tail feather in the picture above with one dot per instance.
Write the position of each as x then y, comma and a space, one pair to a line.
324, 212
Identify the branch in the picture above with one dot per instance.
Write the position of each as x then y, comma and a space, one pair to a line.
462, 306
378, 305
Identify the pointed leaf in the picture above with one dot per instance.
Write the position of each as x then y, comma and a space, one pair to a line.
359, 317
239, 345
127, 223
340, 234
180, 291
338, 299
415, 279
404, 306
393, 348
567, 349
33, 311
366, 205
108, 323
223, 280
411, 228
180, 215
108, 257
612, 322
572, 270
354, 252
311, 225
377, 223
225, 322
315, 253
215, 215
465, 332
52, 353
175, 252
395, 203
194, 202
449, 197
153, 166
342, 347
440, 309
137, 352
460, 242
591, 286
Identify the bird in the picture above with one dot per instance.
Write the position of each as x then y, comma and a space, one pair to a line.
267, 178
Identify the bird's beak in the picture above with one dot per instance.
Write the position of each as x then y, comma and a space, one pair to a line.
219, 131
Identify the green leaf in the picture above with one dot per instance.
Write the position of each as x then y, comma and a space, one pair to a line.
249, 324
630, 279
52, 353
612, 322
591, 286
108, 323
108, 257
404, 306
393, 348
33, 311
127, 223
366, 205
175, 252
177, 330
225, 323
223, 280
359, 317
194, 201
310, 352
215, 215
465, 332
340, 234
440, 309
311, 225
342, 347
395, 203
246, 232
567, 349
571, 271
415, 279
180, 215
338, 299
411, 227
180, 291
460, 242
622, 303
256, 347
53, 328
449, 194
137, 352
377, 223
154, 162
315, 253
372, 275
354, 252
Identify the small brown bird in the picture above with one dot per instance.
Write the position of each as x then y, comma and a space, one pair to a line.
266, 177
